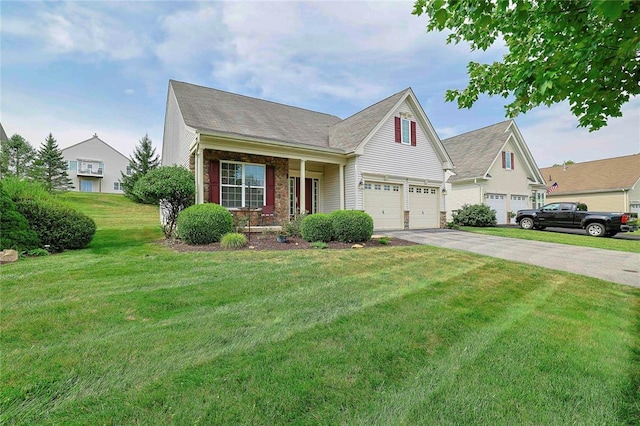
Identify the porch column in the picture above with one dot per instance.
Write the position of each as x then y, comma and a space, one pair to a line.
199, 176
303, 198
341, 168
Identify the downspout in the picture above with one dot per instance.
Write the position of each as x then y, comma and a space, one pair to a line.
199, 171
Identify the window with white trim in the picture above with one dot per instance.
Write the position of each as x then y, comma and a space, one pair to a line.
116, 186
405, 126
507, 160
242, 185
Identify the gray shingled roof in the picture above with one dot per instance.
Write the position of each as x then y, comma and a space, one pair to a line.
473, 152
216, 111
348, 133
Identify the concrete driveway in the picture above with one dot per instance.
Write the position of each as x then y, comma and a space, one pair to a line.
616, 266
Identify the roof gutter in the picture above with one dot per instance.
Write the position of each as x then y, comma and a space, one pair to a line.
271, 142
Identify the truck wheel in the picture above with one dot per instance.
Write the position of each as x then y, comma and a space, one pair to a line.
526, 223
595, 229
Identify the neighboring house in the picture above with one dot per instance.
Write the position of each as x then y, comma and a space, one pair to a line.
494, 167
612, 184
94, 166
3, 135
250, 153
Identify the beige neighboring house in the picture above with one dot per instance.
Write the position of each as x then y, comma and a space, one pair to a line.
493, 166
95, 166
254, 157
612, 184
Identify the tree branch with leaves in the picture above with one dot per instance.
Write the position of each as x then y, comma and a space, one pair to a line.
583, 51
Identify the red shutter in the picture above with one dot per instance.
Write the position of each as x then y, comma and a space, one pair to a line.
513, 166
504, 160
413, 133
271, 186
214, 181
398, 131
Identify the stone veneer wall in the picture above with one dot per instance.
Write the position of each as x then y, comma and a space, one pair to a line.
281, 166
443, 219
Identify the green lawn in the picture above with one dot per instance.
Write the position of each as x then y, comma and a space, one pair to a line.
584, 240
130, 332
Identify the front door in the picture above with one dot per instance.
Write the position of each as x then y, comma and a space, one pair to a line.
311, 196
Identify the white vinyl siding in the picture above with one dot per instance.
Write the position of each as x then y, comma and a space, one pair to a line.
382, 155
330, 191
177, 136
351, 193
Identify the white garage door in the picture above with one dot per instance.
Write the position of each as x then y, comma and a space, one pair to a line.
423, 207
498, 202
634, 207
383, 202
518, 202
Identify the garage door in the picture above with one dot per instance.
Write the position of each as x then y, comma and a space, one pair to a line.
498, 202
423, 207
384, 203
518, 202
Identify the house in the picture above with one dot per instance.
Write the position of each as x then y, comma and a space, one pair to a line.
3, 134
94, 166
612, 184
250, 154
494, 167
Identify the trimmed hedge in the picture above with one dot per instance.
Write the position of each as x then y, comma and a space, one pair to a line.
477, 215
58, 226
204, 223
317, 227
15, 231
351, 226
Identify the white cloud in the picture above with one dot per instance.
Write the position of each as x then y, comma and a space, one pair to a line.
553, 137
54, 29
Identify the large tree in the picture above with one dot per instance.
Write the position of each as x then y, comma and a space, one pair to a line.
16, 157
582, 51
144, 160
50, 168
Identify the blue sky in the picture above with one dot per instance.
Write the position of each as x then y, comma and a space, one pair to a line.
79, 68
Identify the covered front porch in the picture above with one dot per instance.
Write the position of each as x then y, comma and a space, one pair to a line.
266, 187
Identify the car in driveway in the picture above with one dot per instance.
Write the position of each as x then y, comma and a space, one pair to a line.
577, 216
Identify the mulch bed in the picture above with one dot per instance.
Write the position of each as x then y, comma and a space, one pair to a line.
268, 242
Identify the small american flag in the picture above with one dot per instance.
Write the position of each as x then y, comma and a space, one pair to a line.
552, 188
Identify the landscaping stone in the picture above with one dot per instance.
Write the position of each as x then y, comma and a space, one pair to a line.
8, 256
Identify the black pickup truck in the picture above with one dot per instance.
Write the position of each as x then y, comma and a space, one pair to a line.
575, 215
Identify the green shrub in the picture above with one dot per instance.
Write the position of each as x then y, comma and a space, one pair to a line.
319, 245
233, 240
204, 223
384, 241
58, 226
351, 226
317, 227
477, 215
15, 232
22, 190
292, 227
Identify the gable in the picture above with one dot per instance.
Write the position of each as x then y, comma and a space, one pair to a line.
94, 148
382, 154
476, 153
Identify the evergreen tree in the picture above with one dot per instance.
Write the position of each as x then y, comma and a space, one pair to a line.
144, 160
50, 168
16, 157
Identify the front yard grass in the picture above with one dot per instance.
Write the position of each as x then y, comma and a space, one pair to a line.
632, 246
127, 332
